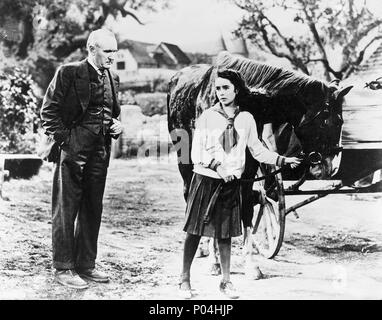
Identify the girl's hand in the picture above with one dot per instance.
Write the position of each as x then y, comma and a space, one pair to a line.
223, 174
293, 161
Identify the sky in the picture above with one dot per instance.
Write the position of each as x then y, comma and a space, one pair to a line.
194, 25
191, 24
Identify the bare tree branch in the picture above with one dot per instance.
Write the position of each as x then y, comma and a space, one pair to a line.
117, 5
292, 57
316, 38
357, 37
344, 25
282, 37
325, 62
350, 67
351, 8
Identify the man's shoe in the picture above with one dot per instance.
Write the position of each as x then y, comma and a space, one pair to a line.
228, 289
93, 275
70, 278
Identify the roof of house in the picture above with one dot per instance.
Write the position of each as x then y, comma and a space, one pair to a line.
139, 50
143, 53
362, 110
233, 44
367, 72
371, 68
179, 55
163, 59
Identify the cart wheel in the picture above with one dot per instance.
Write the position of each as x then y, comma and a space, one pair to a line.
269, 226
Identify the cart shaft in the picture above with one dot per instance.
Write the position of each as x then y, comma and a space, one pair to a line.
318, 195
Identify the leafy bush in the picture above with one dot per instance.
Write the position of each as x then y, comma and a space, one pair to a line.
160, 84
127, 97
18, 112
152, 103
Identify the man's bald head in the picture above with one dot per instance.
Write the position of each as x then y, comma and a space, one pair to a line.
102, 46
99, 36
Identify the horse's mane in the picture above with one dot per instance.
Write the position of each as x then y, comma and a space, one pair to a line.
269, 86
184, 89
276, 81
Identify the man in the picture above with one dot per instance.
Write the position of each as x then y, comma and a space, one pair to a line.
79, 114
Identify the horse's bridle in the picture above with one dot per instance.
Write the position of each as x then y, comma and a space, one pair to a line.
315, 157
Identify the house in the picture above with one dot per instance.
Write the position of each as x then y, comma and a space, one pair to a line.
234, 45
371, 68
170, 56
139, 64
134, 55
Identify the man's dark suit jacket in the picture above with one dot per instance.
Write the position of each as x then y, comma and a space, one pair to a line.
65, 103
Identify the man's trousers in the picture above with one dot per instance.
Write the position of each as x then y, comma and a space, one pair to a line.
78, 188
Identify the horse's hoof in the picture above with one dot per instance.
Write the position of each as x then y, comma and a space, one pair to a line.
201, 253
257, 274
253, 273
216, 269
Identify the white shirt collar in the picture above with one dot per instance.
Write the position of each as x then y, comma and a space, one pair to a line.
94, 66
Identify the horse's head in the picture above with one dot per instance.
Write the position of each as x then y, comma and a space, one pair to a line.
319, 132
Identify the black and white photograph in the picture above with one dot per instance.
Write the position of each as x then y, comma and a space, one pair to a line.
204, 152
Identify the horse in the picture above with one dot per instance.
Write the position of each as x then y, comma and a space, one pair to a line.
306, 116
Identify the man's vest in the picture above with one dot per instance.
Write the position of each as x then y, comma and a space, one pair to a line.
98, 115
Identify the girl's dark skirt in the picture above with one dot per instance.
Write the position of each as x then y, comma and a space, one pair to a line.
213, 208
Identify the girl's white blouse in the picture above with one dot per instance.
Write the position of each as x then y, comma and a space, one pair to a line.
206, 146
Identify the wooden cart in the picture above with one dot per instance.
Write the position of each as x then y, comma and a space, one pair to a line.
359, 172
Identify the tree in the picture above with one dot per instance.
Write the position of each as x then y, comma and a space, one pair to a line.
41, 32
344, 25
18, 113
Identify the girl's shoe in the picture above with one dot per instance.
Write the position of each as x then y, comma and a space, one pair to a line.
227, 288
185, 290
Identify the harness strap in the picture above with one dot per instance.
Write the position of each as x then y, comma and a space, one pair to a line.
273, 173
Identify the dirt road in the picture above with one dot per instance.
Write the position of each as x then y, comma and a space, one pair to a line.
334, 251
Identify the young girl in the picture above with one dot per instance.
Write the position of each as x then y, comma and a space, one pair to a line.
221, 136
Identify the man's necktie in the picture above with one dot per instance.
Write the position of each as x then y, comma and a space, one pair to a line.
103, 74
229, 137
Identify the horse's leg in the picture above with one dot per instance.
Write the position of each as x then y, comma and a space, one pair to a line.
249, 200
247, 249
251, 265
250, 252
186, 173
247, 246
213, 258
203, 249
